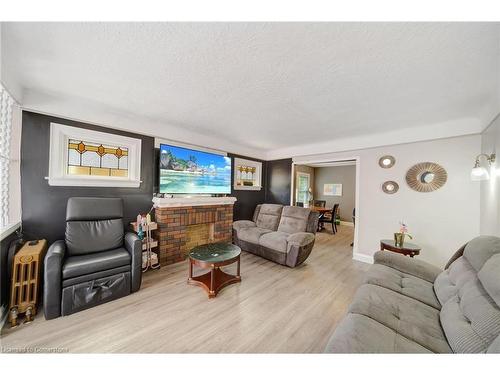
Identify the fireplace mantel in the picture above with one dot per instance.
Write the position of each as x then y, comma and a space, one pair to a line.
192, 201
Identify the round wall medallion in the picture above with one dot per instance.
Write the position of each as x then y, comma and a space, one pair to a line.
426, 177
387, 161
390, 187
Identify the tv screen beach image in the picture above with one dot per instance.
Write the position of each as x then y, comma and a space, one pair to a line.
186, 171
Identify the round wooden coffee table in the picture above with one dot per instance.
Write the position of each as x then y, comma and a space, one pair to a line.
407, 248
213, 256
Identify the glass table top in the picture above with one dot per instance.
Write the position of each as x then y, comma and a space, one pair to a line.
215, 252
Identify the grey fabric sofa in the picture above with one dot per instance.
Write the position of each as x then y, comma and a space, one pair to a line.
283, 234
96, 262
408, 306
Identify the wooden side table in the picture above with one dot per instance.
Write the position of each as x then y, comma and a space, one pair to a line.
407, 248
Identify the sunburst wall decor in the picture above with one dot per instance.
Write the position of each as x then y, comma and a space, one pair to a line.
426, 177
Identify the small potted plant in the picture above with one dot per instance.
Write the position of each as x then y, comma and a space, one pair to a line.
399, 237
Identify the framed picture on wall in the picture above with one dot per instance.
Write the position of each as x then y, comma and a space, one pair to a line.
247, 174
82, 157
332, 189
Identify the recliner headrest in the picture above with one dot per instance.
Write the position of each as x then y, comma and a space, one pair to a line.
89, 208
480, 249
271, 209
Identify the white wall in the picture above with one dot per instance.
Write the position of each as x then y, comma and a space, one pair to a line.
490, 190
440, 221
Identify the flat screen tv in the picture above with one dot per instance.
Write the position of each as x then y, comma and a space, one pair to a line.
186, 171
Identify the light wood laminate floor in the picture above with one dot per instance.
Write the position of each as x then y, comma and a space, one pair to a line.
274, 309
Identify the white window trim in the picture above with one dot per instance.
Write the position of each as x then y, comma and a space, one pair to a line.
58, 176
9, 229
7, 114
303, 174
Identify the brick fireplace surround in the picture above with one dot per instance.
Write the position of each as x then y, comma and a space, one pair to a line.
183, 225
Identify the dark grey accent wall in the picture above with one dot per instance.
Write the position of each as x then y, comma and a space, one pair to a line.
44, 206
247, 199
345, 175
278, 181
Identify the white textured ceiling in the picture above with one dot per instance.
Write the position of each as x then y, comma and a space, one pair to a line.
262, 89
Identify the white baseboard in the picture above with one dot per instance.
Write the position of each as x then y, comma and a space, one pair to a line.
347, 223
362, 258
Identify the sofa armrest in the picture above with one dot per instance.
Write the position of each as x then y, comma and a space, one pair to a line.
411, 266
134, 246
241, 224
299, 246
300, 239
312, 222
52, 278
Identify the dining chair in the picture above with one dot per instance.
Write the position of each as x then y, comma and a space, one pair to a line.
319, 203
299, 204
331, 217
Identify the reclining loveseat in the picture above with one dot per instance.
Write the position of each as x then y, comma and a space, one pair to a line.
283, 234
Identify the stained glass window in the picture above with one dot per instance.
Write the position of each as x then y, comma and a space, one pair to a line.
94, 159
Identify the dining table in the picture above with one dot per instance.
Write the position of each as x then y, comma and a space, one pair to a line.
322, 211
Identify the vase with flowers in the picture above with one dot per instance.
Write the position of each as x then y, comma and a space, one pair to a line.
399, 237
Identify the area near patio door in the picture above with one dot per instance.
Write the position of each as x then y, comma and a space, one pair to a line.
303, 186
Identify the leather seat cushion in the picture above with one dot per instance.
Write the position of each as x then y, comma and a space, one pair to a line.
85, 237
85, 264
275, 241
95, 276
252, 234
406, 316
402, 283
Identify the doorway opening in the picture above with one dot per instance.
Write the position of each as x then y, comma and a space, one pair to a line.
330, 187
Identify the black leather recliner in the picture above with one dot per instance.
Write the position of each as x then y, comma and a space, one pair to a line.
96, 263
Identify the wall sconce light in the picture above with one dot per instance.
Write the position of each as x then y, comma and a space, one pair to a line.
480, 173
